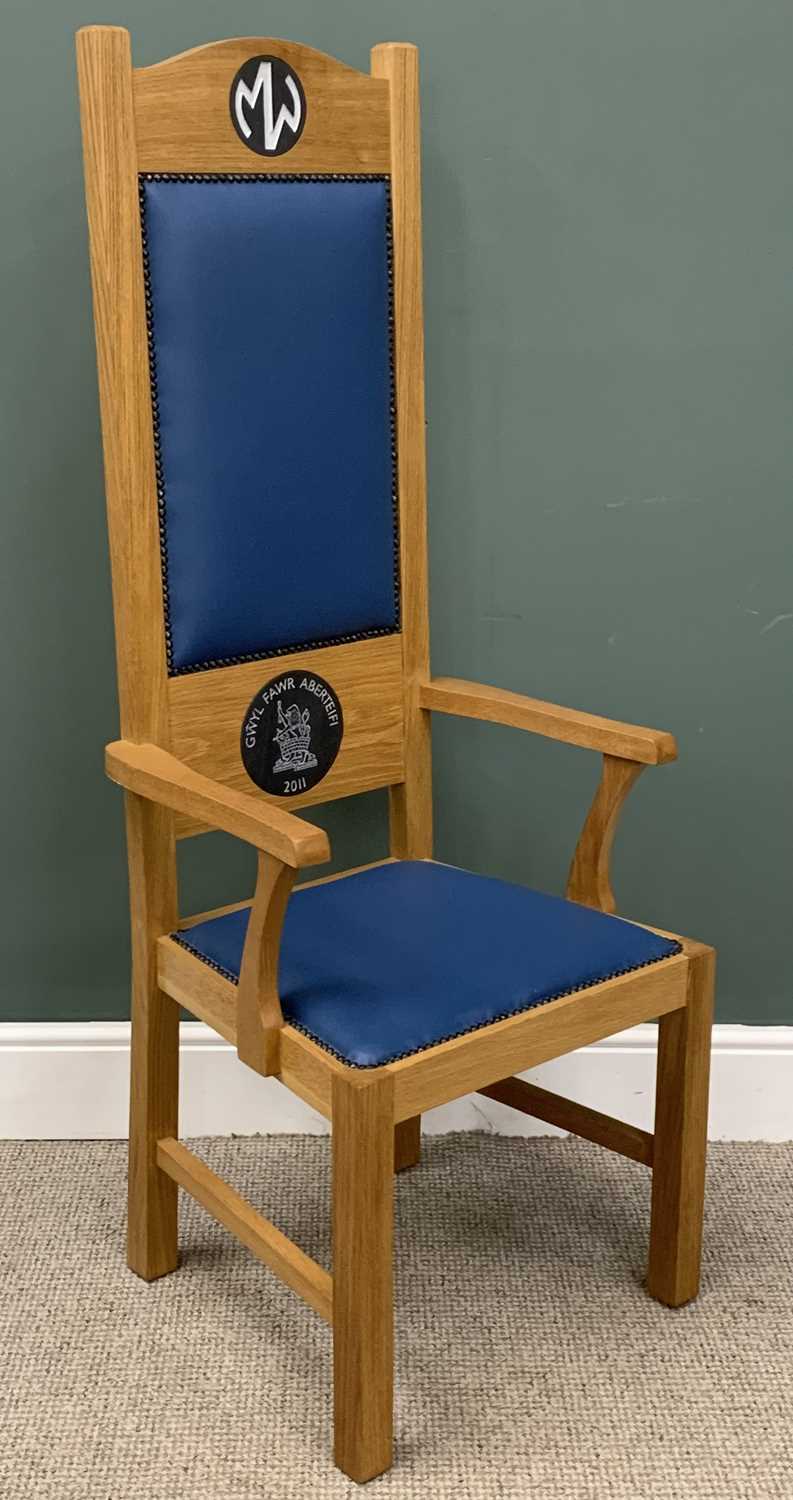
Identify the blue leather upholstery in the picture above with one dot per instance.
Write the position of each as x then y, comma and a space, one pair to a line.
269, 305
395, 959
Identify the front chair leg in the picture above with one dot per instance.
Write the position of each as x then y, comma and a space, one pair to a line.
681, 1125
363, 1300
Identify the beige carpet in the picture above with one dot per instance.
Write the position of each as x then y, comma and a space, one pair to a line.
531, 1363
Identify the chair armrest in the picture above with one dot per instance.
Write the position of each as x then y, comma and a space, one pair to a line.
473, 700
158, 776
626, 750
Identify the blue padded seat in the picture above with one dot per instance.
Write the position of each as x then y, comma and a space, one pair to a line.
397, 958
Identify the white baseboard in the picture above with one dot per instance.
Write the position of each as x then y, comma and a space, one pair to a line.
69, 1080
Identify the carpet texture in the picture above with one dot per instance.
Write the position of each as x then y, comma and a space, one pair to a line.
531, 1364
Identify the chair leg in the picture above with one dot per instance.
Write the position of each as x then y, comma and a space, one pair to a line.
152, 1233
152, 1249
681, 1122
363, 1310
407, 1143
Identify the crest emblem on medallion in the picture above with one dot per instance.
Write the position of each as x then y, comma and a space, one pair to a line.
293, 737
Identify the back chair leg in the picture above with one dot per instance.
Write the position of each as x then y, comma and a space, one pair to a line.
152, 1248
363, 1299
407, 1143
681, 1123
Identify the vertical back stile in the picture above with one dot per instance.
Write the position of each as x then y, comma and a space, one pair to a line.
104, 65
411, 801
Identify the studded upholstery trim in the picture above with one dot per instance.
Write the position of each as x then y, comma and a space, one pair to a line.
453, 1035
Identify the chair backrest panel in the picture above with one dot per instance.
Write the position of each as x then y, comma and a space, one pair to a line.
269, 309
255, 240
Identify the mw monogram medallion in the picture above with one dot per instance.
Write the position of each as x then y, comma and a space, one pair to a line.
268, 105
291, 733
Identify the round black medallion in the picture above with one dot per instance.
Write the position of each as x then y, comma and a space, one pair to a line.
291, 733
268, 105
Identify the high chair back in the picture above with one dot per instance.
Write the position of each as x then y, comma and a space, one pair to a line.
255, 229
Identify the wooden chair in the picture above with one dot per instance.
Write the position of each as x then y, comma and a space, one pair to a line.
254, 211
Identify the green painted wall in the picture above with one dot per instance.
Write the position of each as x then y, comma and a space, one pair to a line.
609, 237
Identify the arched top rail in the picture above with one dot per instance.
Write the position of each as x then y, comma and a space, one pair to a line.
184, 111
250, 46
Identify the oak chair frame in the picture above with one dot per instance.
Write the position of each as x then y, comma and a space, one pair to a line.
165, 118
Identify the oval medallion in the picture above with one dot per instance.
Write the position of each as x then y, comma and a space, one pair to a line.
268, 106
291, 733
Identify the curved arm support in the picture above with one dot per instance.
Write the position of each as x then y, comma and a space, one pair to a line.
259, 1015
589, 879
